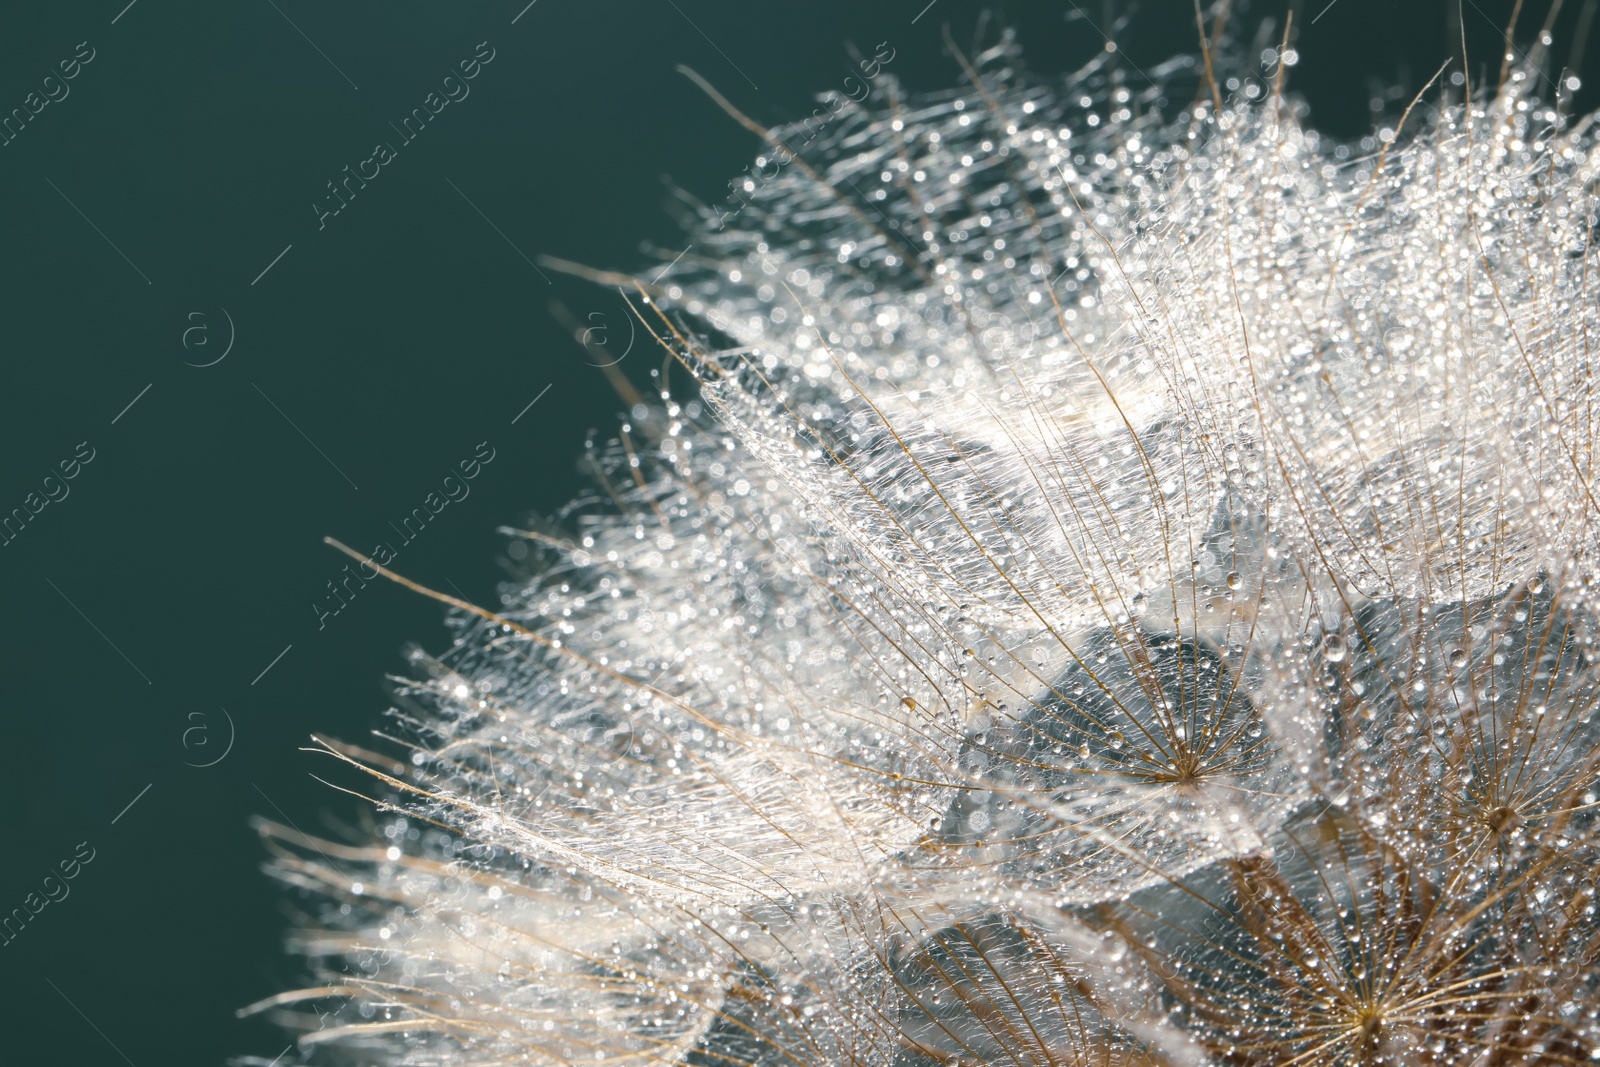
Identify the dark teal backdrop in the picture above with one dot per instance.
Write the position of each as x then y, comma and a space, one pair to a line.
160, 205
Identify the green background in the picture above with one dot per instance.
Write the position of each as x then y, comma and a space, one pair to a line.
188, 553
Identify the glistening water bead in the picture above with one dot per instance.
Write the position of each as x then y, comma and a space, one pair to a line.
1112, 587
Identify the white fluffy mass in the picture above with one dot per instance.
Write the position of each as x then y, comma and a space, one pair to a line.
1113, 586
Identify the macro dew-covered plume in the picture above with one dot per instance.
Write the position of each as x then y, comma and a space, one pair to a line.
1115, 586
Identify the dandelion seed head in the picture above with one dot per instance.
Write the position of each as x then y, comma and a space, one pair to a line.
1118, 589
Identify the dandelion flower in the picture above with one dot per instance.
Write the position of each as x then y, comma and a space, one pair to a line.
1113, 588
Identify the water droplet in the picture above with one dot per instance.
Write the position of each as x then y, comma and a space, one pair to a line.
1458, 658
1334, 649
1234, 580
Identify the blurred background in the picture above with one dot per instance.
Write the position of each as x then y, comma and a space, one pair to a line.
247, 370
